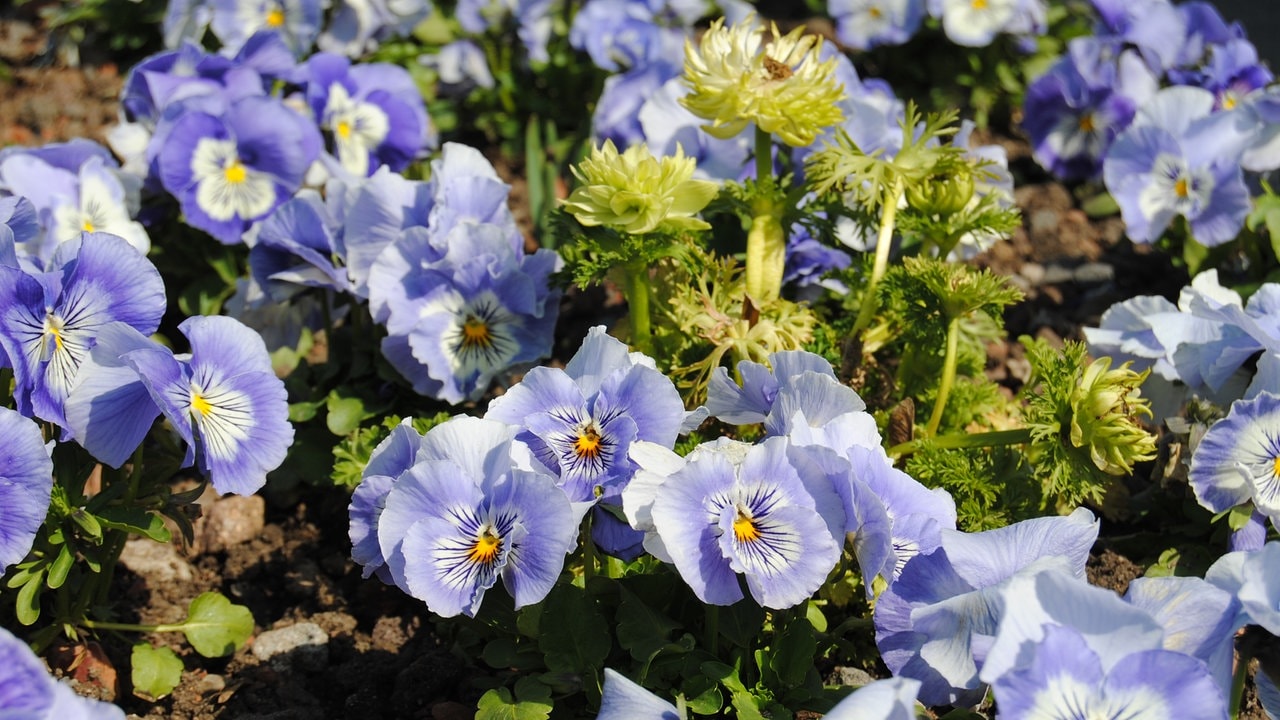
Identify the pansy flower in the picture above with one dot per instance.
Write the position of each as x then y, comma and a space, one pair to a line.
580, 421
470, 511
373, 112
29, 691
733, 509
1238, 459
299, 245
296, 21
975, 24
356, 26
231, 169
390, 459
49, 320
26, 483
1180, 158
864, 24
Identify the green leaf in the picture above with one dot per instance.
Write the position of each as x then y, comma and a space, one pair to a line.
28, 605
345, 413
88, 523
642, 631
60, 567
581, 639
793, 653
498, 704
135, 520
1238, 516
215, 626
156, 671
300, 412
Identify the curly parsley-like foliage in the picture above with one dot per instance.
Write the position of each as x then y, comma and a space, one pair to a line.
351, 454
992, 486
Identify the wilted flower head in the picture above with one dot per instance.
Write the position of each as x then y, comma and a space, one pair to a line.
782, 87
638, 193
1105, 405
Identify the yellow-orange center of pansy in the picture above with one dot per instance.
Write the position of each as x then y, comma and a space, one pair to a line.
588, 443
275, 17
745, 528
486, 548
235, 172
475, 333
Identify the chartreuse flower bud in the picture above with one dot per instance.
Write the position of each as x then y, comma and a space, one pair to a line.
783, 87
946, 190
637, 193
1105, 405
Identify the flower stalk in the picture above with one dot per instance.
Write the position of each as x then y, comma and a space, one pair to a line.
949, 363
638, 290
884, 240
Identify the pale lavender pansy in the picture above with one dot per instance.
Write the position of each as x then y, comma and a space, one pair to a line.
864, 24
1238, 459
296, 21
26, 483
29, 691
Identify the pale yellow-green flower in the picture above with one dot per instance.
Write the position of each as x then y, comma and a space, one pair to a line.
638, 193
1105, 405
736, 79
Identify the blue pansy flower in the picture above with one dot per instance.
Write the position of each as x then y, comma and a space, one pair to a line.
26, 483
299, 245
864, 24
1238, 459
28, 691
50, 320
471, 510
296, 21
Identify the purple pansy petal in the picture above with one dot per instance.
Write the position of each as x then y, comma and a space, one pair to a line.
1236, 459
367, 502
109, 410
26, 483
887, 699
1198, 619
685, 519
551, 527
622, 699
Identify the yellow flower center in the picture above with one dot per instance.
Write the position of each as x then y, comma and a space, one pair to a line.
275, 17
87, 225
875, 12
588, 443
1086, 123
978, 4
485, 549
1228, 101
475, 334
1182, 188
235, 173
199, 404
53, 329
344, 129
745, 528
1275, 465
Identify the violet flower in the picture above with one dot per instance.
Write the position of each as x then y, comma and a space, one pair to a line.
623, 34
49, 320
472, 510
1180, 158
975, 24
232, 169
298, 246
390, 459
1235, 461
26, 484
373, 112
29, 691
623, 699
864, 24
356, 26
296, 21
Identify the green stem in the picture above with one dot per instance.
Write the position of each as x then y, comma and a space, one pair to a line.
884, 240
131, 627
948, 377
767, 239
588, 552
1237, 683
636, 287
966, 440
764, 155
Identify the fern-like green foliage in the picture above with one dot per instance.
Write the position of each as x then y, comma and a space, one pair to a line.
591, 252
992, 486
351, 454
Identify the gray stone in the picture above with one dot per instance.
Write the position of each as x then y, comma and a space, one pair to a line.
855, 677
159, 562
232, 520
1094, 273
304, 646
1032, 272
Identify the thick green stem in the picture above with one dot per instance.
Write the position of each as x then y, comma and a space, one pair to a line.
884, 241
638, 294
948, 377
966, 440
767, 239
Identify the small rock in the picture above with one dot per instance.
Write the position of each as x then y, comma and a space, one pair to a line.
1094, 273
304, 646
1020, 368
1044, 221
158, 562
852, 676
211, 683
1056, 274
233, 520
1033, 273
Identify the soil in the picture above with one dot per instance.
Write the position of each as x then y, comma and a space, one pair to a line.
372, 651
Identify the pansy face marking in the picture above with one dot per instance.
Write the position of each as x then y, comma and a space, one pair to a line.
1177, 187
481, 340
62, 349
225, 186
222, 418
274, 16
358, 128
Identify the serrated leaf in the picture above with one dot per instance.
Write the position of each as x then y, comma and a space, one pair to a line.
215, 626
156, 671
581, 639
498, 704
135, 520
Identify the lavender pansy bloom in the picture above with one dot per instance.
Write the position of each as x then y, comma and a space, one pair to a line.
1205, 30
623, 699
667, 125
461, 66
936, 620
1238, 459
621, 34
296, 21
467, 190
1180, 158
469, 513
753, 402
975, 24
1149, 25
457, 319
864, 24
355, 26
49, 320
230, 170
29, 691
617, 116
388, 461
808, 260
737, 509
374, 112
580, 421
1233, 72
1064, 678
223, 400
297, 246
26, 482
